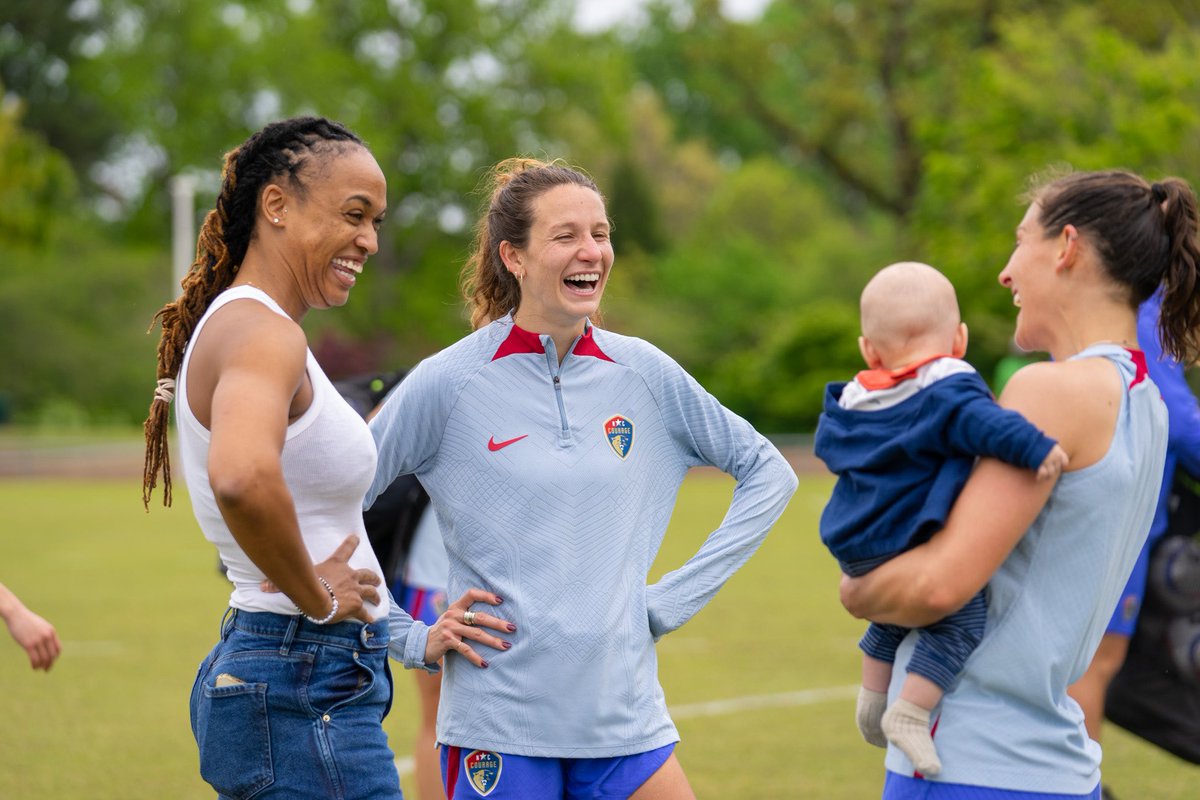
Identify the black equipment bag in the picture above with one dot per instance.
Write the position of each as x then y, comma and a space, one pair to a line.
1152, 696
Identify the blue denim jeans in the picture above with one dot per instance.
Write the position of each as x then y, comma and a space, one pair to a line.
285, 708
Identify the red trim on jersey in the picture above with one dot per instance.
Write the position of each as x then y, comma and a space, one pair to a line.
453, 754
519, 341
1139, 363
586, 346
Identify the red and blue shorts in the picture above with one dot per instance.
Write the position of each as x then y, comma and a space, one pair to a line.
499, 776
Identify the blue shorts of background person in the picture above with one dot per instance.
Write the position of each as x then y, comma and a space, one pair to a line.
1125, 617
423, 603
317, 731
499, 776
901, 787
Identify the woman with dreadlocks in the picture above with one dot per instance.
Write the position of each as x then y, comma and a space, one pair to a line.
276, 465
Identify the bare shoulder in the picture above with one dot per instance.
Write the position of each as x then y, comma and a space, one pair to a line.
249, 350
247, 330
1075, 402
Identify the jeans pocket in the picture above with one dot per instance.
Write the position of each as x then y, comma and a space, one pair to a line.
234, 739
338, 680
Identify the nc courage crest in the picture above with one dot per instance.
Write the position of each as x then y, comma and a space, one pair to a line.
619, 432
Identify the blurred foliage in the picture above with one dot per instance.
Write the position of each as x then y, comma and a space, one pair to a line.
37, 186
757, 172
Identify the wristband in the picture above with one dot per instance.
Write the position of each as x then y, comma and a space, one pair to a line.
332, 612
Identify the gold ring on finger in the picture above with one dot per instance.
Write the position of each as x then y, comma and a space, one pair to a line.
468, 618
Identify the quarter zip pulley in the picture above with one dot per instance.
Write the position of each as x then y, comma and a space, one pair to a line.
564, 431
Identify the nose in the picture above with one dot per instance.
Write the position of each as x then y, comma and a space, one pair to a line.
368, 240
590, 250
1004, 278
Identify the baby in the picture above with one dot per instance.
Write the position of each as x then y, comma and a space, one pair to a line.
902, 438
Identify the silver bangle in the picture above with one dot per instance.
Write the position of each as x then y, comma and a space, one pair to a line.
332, 612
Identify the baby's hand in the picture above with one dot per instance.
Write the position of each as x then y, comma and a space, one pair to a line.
1054, 464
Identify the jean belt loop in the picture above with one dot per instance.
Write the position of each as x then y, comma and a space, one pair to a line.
366, 634
227, 620
290, 634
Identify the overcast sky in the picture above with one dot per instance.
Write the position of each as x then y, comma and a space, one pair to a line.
601, 14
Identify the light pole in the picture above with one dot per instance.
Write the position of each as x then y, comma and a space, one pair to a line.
183, 228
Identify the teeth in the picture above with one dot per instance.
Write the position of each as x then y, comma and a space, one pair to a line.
587, 276
1016, 299
353, 266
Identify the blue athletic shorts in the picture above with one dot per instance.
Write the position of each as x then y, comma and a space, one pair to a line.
1125, 617
422, 603
900, 787
498, 776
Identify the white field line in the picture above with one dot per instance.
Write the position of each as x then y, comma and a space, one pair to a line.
732, 705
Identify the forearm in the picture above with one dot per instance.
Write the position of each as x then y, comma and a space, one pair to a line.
10, 604
935, 579
758, 501
264, 524
899, 592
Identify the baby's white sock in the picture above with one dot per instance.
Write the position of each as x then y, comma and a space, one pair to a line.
906, 725
869, 714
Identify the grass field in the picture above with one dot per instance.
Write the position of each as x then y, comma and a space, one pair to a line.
137, 600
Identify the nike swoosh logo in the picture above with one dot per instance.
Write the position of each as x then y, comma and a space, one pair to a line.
493, 445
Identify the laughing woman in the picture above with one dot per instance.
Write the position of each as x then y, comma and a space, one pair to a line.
1091, 248
289, 702
553, 451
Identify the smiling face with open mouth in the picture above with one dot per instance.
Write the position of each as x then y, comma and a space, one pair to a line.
336, 224
565, 265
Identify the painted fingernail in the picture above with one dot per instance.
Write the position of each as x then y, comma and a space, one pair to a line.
499, 599
484, 665
506, 645
511, 628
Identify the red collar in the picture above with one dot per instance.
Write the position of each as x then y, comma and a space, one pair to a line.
520, 341
876, 379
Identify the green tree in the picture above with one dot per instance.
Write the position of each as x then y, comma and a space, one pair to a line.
37, 186
931, 115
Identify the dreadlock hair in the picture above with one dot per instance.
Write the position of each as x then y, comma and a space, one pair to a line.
280, 151
491, 291
1147, 237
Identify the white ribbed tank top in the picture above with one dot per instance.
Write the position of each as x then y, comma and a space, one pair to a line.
328, 463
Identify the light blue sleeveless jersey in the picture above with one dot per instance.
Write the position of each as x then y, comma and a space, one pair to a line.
553, 487
1008, 722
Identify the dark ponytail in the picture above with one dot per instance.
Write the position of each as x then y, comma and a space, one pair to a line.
1179, 319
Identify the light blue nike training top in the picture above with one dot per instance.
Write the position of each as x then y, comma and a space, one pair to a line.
553, 487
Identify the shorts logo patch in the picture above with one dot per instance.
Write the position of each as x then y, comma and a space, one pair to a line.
483, 770
619, 432
1129, 608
